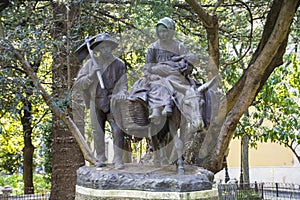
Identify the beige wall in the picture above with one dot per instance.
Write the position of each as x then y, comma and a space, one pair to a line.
266, 154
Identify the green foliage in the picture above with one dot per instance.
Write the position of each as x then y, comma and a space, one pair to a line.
11, 141
275, 115
28, 25
44, 154
280, 104
15, 181
241, 26
248, 194
27, 33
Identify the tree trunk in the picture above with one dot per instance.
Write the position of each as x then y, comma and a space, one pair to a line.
66, 154
245, 160
26, 120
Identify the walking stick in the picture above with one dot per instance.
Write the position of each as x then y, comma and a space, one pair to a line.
94, 62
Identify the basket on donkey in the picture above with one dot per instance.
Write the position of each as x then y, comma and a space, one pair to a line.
132, 116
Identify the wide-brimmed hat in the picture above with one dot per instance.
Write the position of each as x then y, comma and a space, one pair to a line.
104, 38
82, 51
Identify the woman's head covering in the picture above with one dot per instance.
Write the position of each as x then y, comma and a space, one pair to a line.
168, 23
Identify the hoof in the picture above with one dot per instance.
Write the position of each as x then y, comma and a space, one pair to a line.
165, 162
181, 171
119, 166
100, 164
157, 164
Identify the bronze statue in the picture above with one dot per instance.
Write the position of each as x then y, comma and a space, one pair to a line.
102, 78
168, 93
166, 71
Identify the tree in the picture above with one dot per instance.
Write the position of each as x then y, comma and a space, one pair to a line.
20, 100
70, 30
267, 57
67, 156
281, 98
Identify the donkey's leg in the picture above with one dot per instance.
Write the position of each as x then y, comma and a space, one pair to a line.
179, 149
156, 153
163, 139
163, 153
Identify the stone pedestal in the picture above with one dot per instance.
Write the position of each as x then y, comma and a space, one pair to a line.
144, 182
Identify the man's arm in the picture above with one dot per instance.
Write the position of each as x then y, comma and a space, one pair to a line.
121, 86
124, 80
85, 78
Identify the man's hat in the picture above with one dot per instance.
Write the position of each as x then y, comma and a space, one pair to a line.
104, 38
82, 51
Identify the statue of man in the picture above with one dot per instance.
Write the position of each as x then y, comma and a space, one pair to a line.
112, 71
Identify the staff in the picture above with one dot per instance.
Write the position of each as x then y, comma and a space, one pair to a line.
94, 62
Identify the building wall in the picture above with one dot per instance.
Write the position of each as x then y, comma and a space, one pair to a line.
270, 162
266, 154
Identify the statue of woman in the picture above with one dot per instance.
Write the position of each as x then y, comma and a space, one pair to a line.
167, 68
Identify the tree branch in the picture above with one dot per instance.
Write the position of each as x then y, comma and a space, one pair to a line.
41, 118
202, 14
250, 36
211, 25
217, 5
256, 71
55, 109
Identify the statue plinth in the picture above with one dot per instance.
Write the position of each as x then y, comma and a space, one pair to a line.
139, 181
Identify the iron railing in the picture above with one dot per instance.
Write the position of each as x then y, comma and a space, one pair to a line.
253, 191
256, 191
25, 197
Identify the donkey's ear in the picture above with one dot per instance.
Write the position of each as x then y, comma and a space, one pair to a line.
208, 84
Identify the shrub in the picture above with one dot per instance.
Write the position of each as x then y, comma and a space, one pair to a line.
41, 183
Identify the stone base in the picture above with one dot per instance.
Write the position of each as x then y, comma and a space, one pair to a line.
144, 182
93, 194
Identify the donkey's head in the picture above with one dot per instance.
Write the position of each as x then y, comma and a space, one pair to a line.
192, 108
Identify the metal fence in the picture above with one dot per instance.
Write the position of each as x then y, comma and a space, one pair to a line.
256, 191
253, 191
25, 197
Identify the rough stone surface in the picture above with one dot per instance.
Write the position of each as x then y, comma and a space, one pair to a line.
145, 178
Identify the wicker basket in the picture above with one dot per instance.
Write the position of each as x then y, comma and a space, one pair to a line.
139, 112
132, 117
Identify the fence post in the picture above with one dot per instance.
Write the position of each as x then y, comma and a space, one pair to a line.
255, 187
277, 193
6, 191
262, 190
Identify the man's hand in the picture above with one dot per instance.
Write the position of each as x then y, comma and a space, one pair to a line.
154, 77
120, 96
93, 74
